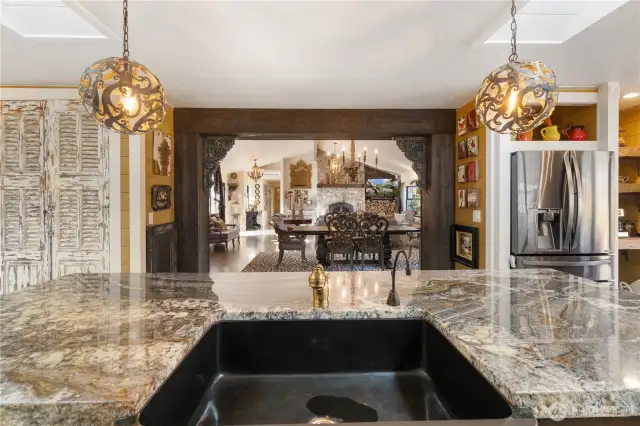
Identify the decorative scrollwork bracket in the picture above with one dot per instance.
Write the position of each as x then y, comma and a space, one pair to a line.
415, 150
215, 149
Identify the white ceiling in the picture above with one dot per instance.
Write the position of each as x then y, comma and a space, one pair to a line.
297, 54
270, 152
267, 152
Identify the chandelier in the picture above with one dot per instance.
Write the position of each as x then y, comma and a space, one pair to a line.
335, 168
518, 96
123, 94
256, 172
351, 167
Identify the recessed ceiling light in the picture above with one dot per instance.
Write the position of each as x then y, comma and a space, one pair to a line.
631, 95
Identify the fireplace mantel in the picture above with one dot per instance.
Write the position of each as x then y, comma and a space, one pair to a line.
340, 185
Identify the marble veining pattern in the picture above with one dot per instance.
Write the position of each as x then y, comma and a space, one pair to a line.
92, 349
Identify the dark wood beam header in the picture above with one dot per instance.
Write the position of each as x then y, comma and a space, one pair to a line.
314, 123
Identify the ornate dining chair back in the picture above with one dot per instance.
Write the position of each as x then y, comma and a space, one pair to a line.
373, 228
342, 228
372, 232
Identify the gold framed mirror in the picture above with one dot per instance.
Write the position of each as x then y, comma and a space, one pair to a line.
300, 175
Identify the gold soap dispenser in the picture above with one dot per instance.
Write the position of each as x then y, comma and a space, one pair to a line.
319, 283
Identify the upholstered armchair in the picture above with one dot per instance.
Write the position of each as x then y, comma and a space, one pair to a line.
287, 240
223, 234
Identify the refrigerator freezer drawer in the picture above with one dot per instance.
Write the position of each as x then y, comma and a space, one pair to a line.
596, 268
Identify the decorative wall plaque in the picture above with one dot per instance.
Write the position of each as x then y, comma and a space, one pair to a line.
160, 197
161, 155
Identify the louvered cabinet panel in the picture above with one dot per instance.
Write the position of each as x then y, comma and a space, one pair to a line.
11, 220
68, 218
23, 237
79, 165
68, 154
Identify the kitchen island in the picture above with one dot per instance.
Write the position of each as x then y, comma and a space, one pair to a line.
92, 349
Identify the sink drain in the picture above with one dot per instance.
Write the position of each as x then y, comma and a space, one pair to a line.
324, 420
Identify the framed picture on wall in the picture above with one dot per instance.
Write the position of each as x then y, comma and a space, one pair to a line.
160, 197
462, 149
472, 172
473, 198
472, 120
472, 147
462, 198
161, 154
462, 125
462, 173
464, 245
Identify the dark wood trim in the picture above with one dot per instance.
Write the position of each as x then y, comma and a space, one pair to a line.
437, 201
193, 125
191, 203
314, 123
162, 238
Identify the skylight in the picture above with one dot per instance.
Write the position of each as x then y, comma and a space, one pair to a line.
45, 19
554, 22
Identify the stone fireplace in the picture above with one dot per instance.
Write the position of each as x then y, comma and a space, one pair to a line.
333, 197
341, 207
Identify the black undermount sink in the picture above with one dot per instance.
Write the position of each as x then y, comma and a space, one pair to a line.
292, 372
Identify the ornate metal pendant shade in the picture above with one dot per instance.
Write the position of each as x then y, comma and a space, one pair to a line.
518, 96
122, 94
256, 172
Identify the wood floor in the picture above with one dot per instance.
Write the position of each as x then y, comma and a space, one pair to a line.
235, 259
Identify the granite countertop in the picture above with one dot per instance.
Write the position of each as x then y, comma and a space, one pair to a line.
92, 349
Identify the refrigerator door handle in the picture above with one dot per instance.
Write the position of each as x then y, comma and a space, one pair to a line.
580, 198
565, 262
571, 197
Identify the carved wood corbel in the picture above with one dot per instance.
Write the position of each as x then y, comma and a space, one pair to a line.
415, 149
215, 149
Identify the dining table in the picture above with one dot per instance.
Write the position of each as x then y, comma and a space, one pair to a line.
322, 232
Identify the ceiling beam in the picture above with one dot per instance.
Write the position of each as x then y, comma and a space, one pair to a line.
292, 124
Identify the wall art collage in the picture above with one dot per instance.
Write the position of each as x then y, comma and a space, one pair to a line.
468, 123
468, 172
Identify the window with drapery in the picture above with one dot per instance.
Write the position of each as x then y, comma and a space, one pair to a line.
413, 199
216, 195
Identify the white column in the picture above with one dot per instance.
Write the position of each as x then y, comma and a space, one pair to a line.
608, 126
137, 204
498, 201
115, 228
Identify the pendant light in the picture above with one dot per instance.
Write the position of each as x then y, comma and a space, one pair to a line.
518, 96
122, 94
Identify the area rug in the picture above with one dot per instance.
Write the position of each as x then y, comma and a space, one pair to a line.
292, 262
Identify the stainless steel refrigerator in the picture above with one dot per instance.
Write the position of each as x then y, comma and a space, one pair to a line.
560, 212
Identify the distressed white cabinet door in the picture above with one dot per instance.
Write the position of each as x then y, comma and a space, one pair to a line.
23, 260
77, 169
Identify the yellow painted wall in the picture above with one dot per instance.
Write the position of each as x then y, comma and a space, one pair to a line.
124, 201
586, 115
464, 216
163, 216
630, 121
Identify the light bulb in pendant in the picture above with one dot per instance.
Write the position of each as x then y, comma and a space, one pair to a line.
513, 99
128, 101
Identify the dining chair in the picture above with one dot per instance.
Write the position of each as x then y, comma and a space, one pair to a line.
342, 230
287, 240
371, 239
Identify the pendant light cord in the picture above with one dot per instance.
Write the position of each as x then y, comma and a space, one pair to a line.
125, 29
514, 28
